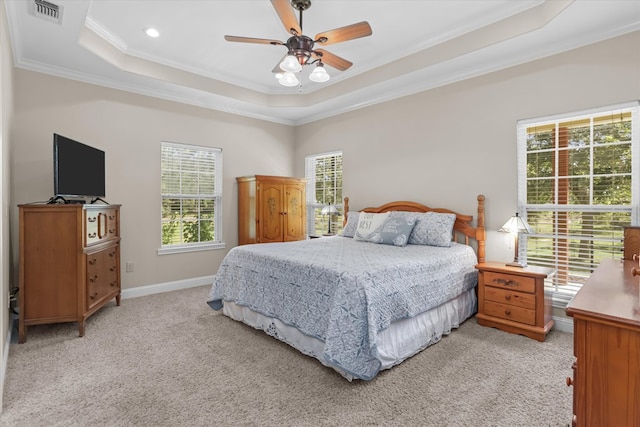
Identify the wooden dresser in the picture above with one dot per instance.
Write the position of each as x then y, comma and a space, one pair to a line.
69, 263
606, 324
271, 209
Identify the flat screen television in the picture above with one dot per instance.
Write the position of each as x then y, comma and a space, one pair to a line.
78, 169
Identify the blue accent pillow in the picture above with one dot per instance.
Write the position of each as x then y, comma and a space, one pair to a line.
349, 230
433, 229
397, 228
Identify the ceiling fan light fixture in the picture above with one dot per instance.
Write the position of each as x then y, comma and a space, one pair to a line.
319, 74
278, 76
288, 79
152, 32
290, 64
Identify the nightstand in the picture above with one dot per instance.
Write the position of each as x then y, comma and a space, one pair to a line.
513, 299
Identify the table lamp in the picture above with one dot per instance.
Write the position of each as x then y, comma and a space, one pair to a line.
516, 225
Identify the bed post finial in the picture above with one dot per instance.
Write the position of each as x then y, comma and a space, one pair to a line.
481, 233
345, 212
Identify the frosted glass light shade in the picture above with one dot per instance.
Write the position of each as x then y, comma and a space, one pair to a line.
290, 63
288, 79
319, 75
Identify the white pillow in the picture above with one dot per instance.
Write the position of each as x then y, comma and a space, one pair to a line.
369, 226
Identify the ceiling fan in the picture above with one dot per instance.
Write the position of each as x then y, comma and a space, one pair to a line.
301, 49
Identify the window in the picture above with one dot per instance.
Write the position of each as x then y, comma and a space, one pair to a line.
191, 198
578, 188
324, 188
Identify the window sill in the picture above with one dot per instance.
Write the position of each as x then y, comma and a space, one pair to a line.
196, 247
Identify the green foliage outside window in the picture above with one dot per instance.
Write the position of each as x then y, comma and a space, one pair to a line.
578, 192
188, 194
324, 173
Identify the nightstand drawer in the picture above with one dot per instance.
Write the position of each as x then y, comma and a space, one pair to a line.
510, 312
505, 296
510, 281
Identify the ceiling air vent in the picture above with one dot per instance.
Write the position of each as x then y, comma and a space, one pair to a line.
46, 10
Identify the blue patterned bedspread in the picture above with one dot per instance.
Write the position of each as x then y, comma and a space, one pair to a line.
341, 291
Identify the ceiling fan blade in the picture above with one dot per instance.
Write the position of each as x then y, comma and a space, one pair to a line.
287, 16
342, 34
252, 40
334, 61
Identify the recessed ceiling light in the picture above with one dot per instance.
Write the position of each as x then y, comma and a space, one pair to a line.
152, 32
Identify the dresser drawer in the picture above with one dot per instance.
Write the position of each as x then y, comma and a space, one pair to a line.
100, 225
510, 312
510, 281
102, 275
505, 296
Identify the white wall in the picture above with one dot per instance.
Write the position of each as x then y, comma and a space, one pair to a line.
445, 146
441, 147
130, 128
6, 114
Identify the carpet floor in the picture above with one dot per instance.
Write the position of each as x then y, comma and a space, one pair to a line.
169, 360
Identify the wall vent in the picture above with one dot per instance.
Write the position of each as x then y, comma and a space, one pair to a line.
46, 10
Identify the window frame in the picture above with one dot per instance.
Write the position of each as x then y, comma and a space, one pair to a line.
561, 298
216, 198
311, 203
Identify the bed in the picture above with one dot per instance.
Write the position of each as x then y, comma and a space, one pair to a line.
367, 299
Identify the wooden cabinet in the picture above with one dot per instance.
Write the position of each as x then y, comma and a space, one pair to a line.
271, 209
513, 299
69, 263
631, 242
606, 327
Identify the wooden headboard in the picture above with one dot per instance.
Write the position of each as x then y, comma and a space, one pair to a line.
463, 226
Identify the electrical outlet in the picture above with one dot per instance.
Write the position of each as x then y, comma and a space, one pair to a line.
129, 267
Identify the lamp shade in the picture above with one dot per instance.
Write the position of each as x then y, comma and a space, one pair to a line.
329, 209
290, 63
319, 74
516, 224
288, 79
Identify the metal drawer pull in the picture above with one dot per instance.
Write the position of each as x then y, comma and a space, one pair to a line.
92, 235
92, 261
93, 296
93, 279
93, 219
506, 282
507, 312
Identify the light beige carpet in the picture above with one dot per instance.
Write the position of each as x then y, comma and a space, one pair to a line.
169, 360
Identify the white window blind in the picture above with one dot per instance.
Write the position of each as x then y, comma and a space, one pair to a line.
191, 196
324, 187
578, 188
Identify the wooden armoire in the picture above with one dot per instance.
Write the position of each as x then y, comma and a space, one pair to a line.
271, 209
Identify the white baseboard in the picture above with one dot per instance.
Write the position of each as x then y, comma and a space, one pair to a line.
563, 324
141, 291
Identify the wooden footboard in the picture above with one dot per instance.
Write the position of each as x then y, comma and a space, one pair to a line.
462, 229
